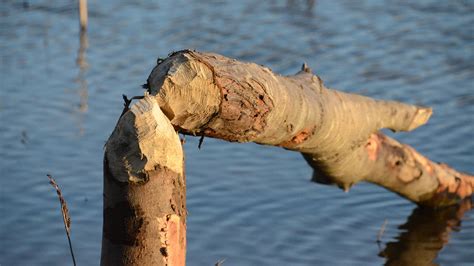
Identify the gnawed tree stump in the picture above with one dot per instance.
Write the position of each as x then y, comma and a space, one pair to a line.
144, 191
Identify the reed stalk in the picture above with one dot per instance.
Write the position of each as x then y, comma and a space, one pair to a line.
65, 213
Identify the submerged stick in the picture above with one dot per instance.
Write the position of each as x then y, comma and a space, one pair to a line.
83, 14
65, 214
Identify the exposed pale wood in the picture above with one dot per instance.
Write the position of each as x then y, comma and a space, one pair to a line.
144, 191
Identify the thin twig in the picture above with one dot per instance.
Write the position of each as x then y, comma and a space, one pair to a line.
127, 102
183, 139
201, 140
65, 213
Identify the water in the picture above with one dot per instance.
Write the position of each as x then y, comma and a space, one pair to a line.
248, 204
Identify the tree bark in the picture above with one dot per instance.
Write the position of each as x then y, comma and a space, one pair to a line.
144, 191
337, 133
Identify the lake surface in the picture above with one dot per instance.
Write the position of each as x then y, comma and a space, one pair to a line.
248, 204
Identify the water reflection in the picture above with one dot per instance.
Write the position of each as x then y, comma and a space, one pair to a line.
309, 4
424, 234
81, 61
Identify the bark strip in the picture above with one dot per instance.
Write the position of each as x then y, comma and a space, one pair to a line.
144, 191
338, 133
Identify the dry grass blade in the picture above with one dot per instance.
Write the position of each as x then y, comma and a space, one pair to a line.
64, 210
65, 213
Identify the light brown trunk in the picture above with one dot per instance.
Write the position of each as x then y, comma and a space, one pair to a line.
144, 191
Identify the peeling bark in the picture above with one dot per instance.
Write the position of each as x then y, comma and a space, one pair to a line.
337, 133
144, 191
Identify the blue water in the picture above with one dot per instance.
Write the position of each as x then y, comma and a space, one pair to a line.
248, 204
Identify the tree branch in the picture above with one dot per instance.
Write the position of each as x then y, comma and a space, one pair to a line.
338, 133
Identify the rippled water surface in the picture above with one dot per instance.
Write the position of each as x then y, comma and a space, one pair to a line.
248, 204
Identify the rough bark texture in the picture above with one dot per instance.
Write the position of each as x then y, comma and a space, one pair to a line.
338, 133
144, 191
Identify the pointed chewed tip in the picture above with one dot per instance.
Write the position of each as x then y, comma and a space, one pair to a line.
306, 68
422, 116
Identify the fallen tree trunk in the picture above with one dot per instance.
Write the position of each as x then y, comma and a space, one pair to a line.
211, 95
144, 191
337, 133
